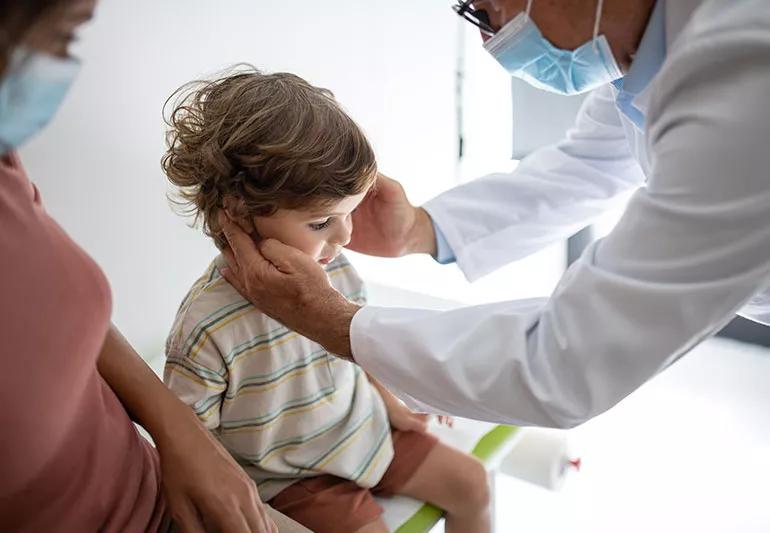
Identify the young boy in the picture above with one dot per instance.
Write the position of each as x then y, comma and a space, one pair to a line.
314, 432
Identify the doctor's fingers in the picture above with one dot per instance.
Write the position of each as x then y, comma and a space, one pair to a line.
286, 259
235, 280
244, 251
232, 263
387, 189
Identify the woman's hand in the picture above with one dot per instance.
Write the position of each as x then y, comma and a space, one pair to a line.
205, 488
386, 224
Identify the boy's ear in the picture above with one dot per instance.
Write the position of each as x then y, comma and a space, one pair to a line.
245, 223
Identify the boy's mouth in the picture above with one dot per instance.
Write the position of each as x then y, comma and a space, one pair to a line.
329, 259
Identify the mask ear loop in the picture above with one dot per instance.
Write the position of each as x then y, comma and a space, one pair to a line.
597, 20
529, 7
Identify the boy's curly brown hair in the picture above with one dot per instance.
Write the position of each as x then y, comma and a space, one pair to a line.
259, 142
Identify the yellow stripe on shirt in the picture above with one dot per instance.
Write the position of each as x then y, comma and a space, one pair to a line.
345, 446
211, 330
270, 386
285, 414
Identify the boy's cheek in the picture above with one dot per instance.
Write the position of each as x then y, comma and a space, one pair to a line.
312, 247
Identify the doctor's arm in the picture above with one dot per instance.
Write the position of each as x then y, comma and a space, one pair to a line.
688, 253
554, 192
502, 217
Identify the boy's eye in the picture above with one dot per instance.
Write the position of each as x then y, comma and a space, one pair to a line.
318, 226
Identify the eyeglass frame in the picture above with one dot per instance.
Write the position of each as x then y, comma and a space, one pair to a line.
463, 9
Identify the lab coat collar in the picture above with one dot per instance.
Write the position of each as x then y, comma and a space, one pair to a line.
647, 62
666, 23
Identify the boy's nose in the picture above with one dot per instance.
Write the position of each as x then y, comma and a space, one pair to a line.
344, 238
346, 230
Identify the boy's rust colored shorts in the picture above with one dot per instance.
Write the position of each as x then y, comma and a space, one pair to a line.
328, 504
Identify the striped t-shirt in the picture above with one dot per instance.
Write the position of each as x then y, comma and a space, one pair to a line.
281, 404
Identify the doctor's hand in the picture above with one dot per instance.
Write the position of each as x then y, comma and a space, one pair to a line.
386, 224
289, 286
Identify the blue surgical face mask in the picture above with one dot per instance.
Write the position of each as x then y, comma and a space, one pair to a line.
31, 91
522, 50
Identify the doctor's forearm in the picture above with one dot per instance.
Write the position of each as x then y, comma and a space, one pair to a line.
333, 333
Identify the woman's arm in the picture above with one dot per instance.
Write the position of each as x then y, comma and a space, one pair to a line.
202, 483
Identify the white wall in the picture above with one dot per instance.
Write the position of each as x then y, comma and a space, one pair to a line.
391, 64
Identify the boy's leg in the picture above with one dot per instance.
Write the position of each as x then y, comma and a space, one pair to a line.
456, 482
378, 526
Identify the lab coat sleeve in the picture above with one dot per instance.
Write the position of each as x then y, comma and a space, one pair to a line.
691, 249
554, 192
758, 308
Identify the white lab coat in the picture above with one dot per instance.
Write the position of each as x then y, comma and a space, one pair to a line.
691, 250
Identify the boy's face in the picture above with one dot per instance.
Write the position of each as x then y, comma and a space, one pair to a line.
320, 232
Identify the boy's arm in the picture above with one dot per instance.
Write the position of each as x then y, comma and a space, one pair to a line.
387, 396
400, 416
403, 415
196, 385
202, 483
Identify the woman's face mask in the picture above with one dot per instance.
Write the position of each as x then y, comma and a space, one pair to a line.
525, 53
31, 91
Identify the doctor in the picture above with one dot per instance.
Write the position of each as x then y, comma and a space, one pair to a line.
678, 110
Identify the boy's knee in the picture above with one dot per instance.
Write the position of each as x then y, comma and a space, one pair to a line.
474, 493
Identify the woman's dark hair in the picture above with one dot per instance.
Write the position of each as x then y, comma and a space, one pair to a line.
16, 19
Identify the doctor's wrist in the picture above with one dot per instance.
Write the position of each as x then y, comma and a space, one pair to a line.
334, 332
422, 236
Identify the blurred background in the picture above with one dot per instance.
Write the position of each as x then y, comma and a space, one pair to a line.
689, 451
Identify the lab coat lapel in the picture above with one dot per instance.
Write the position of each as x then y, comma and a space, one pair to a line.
678, 14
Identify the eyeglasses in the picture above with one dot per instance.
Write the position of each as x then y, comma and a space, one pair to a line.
477, 17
